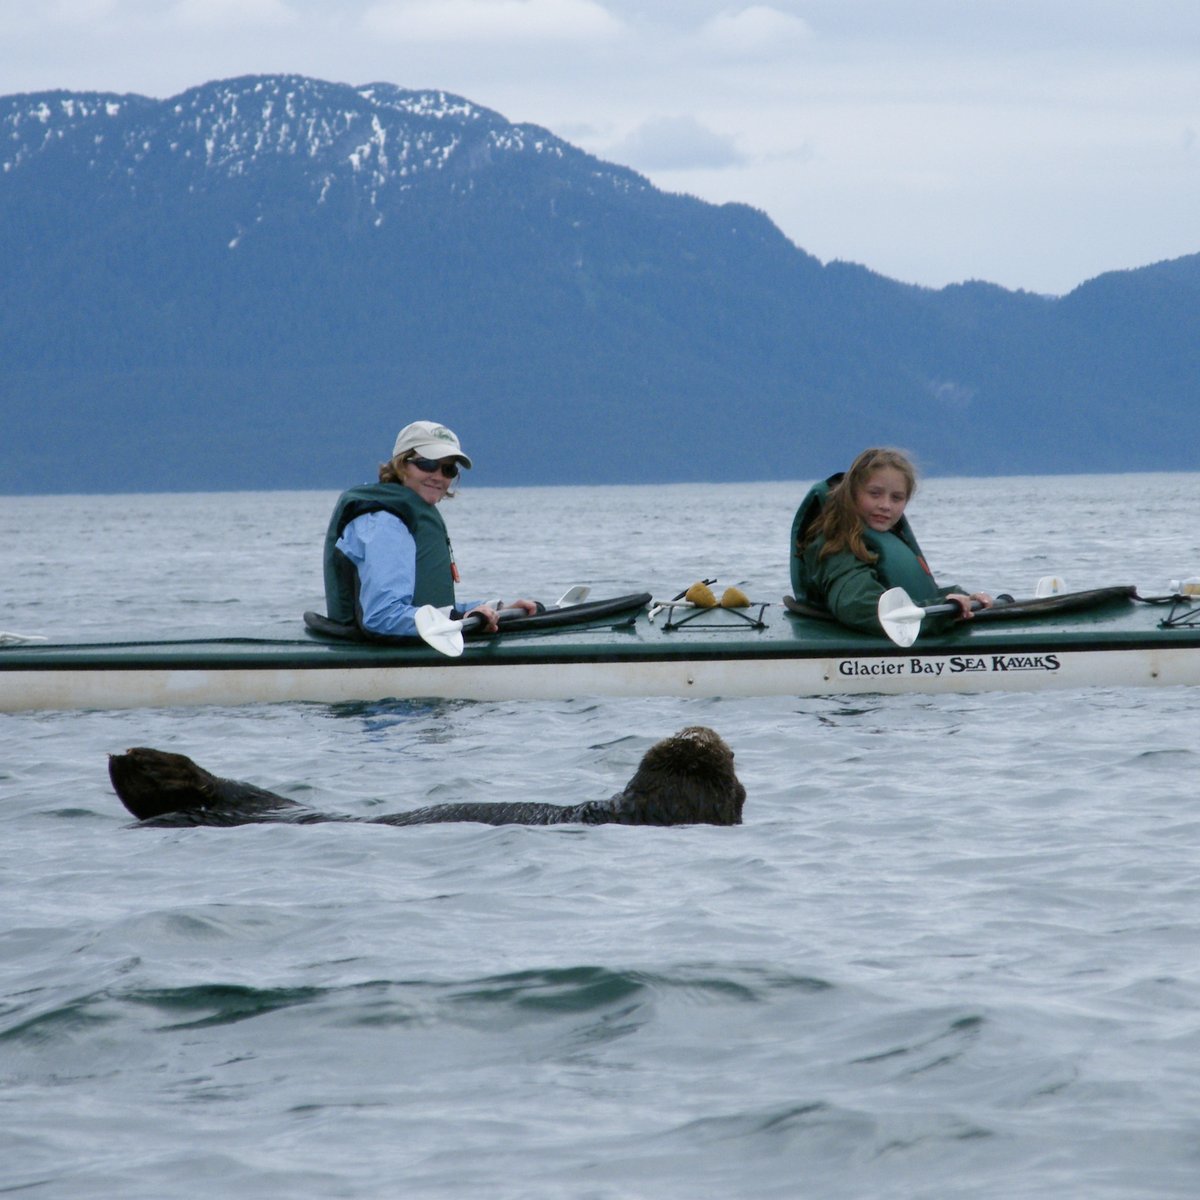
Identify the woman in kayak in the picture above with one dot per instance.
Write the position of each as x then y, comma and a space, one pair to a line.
387, 552
851, 542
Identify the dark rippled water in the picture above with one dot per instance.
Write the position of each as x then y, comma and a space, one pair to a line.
952, 952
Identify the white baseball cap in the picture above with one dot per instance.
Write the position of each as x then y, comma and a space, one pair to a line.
428, 439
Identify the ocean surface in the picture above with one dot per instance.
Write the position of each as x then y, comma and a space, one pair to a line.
954, 951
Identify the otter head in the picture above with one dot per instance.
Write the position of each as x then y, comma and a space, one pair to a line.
686, 779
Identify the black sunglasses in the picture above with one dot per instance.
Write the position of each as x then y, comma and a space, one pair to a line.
429, 465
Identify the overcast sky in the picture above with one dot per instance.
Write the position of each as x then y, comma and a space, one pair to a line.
1031, 143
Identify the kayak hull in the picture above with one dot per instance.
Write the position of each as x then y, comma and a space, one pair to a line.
706, 653
928, 674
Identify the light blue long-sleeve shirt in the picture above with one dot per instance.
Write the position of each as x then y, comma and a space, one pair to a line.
385, 556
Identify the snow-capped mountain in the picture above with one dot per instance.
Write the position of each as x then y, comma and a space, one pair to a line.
370, 145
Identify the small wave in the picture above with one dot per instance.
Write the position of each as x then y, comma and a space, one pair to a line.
64, 1021
76, 814
1167, 758
585, 988
220, 1004
930, 1052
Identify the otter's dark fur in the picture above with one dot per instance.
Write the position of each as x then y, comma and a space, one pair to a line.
686, 779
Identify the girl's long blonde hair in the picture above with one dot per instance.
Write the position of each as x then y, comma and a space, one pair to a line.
839, 520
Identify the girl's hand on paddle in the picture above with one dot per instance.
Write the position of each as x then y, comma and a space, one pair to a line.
980, 599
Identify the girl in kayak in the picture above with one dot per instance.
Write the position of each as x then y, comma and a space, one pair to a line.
387, 552
851, 542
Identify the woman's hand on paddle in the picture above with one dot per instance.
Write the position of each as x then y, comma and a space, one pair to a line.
968, 604
486, 614
491, 616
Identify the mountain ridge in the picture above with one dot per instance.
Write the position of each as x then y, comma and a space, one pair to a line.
325, 261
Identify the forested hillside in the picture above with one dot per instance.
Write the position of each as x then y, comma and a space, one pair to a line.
253, 284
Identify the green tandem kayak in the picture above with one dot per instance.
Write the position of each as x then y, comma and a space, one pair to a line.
631, 646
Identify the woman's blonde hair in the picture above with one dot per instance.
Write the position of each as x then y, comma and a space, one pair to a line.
839, 519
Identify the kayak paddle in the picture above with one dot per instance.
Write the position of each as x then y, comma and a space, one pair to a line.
574, 595
439, 631
1049, 585
445, 634
901, 618
17, 639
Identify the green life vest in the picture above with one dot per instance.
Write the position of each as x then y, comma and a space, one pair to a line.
435, 578
900, 562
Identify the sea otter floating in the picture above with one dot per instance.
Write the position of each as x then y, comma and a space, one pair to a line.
686, 779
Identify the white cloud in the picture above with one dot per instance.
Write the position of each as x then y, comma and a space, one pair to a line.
755, 32
231, 14
462, 21
675, 144
59, 15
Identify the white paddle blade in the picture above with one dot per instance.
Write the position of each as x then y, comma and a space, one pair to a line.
439, 631
1050, 585
18, 639
575, 595
900, 617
